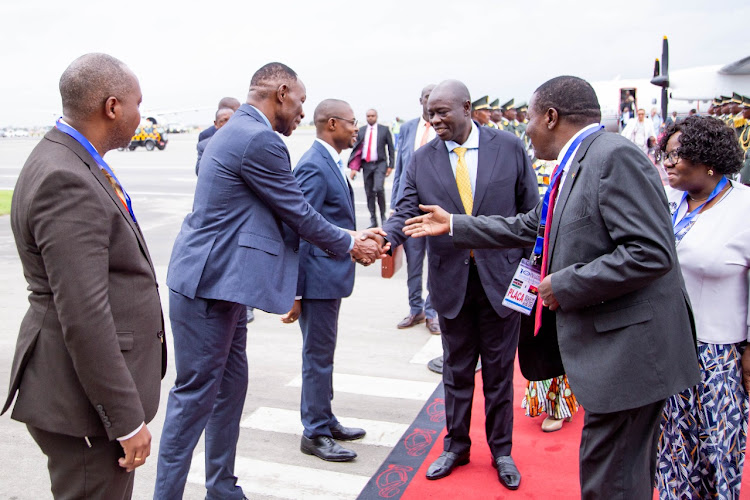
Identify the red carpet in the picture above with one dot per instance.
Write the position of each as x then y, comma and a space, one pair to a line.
548, 462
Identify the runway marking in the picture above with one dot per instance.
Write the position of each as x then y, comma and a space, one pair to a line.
431, 350
379, 433
377, 386
276, 480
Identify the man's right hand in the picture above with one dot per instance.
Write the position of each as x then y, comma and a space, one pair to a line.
137, 449
434, 223
369, 246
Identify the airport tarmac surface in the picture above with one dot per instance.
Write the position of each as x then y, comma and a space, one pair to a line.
380, 377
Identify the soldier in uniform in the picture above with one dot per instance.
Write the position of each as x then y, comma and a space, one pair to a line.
496, 115
726, 111
480, 111
509, 115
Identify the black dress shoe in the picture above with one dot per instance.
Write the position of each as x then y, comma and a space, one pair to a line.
411, 320
326, 448
507, 472
346, 433
435, 365
445, 463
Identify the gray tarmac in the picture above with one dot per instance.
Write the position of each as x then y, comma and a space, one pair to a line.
161, 184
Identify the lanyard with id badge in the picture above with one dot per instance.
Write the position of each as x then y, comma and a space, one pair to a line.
523, 290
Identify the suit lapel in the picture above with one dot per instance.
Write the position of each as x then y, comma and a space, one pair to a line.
488, 151
444, 173
86, 158
337, 174
570, 181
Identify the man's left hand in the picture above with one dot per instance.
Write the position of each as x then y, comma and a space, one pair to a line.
388, 171
137, 449
293, 313
546, 295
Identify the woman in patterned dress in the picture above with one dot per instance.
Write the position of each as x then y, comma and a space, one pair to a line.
704, 428
553, 397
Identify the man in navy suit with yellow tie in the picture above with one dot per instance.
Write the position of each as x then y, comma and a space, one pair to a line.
324, 280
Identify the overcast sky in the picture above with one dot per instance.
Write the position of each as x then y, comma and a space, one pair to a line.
377, 54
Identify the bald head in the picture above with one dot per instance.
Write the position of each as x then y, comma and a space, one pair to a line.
449, 109
423, 98
329, 108
335, 124
89, 80
229, 102
452, 89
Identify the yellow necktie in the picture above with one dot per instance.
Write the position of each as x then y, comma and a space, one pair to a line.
463, 180
117, 189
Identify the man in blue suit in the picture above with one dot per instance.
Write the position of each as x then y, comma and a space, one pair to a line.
324, 280
414, 134
232, 252
475, 170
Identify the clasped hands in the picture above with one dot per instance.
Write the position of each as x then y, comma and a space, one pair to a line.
369, 246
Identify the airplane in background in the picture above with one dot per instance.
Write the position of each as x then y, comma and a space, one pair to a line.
681, 90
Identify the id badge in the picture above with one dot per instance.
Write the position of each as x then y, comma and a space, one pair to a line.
523, 290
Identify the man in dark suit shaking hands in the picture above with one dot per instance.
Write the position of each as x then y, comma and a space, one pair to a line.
616, 316
476, 170
375, 143
324, 280
233, 251
90, 353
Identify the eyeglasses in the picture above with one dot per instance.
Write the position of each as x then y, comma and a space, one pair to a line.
673, 156
353, 121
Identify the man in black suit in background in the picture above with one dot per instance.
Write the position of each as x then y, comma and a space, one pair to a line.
474, 170
373, 140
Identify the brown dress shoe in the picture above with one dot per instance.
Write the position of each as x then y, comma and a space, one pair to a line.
411, 320
433, 325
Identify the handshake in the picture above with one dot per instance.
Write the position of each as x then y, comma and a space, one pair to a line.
369, 246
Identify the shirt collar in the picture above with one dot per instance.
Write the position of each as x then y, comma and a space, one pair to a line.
564, 150
472, 142
265, 118
71, 126
334, 154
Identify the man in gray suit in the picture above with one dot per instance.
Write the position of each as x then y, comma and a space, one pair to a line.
238, 247
414, 134
616, 316
90, 353
477, 170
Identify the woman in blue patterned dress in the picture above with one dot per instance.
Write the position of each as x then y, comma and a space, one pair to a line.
704, 428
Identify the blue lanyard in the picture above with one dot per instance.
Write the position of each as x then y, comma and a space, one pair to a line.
539, 245
97, 158
688, 218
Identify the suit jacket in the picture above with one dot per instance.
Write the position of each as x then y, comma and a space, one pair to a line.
505, 185
384, 140
233, 245
624, 324
406, 138
320, 275
91, 351
201, 147
207, 133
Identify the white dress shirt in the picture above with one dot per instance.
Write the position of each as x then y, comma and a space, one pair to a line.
371, 129
471, 156
420, 133
715, 259
335, 156
562, 153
